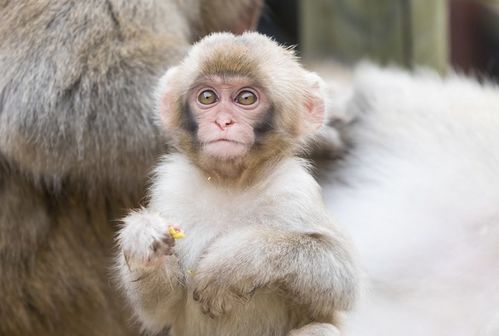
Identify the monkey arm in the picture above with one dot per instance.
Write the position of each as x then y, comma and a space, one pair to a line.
312, 267
148, 271
316, 270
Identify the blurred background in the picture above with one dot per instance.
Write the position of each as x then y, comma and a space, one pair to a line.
442, 34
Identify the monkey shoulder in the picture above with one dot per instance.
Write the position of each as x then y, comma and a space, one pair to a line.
294, 196
288, 185
292, 178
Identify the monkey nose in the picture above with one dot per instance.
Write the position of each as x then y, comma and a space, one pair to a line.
224, 123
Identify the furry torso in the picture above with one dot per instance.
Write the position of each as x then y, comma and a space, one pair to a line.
207, 213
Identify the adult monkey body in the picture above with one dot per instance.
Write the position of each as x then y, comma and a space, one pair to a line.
260, 249
74, 107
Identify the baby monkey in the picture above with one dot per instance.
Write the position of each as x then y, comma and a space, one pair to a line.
261, 255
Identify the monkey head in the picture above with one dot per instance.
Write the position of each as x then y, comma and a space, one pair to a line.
237, 104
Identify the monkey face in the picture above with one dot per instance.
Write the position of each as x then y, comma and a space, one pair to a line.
237, 103
229, 112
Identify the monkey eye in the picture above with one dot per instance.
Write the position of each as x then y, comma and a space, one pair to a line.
207, 97
246, 98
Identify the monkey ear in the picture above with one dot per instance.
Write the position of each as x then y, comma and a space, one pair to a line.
166, 98
315, 103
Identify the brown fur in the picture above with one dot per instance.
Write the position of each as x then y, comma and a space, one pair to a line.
231, 60
224, 20
77, 139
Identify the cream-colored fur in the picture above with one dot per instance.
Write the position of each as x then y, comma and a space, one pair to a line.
261, 261
419, 193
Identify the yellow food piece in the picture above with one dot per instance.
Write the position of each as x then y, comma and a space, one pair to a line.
176, 233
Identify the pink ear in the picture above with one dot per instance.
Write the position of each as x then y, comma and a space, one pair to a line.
315, 104
167, 98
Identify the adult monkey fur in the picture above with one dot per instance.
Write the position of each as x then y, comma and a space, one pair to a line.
418, 191
76, 142
260, 249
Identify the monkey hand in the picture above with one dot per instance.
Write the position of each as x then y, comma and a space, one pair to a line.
312, 269
317, 272
221, 283
145, 241
216, 298
218, 293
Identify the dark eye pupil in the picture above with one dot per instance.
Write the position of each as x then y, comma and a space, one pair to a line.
207, 97
246, 98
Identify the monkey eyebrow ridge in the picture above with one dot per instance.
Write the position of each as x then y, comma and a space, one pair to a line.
223, 79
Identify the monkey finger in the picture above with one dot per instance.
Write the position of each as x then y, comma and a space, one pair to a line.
213, 308
241, 295
195, 295
201, 287
164, 251
164, 246
156, 245
206, 311
168, 240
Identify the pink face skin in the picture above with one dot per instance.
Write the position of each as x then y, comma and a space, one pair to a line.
227, 115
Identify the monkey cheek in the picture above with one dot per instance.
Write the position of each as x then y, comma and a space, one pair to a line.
226, 149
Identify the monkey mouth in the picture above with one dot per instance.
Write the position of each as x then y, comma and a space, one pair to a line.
225, 148
223, 140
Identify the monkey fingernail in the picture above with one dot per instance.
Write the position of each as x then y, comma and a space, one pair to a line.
205, 310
